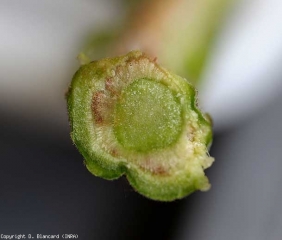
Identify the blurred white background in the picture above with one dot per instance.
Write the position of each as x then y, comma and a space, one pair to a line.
244, 71
40, 41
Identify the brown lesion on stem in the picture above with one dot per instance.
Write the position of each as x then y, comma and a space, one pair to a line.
114, 152
155, 169
100, 107
109, 86
191, 134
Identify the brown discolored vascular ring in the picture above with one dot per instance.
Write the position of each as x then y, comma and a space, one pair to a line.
109, 86
156, 170
98, 106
